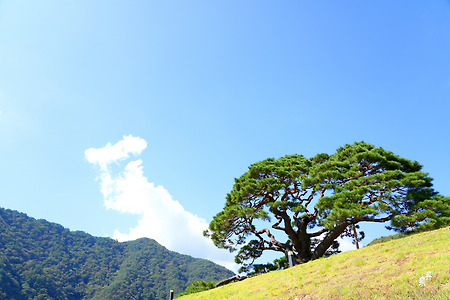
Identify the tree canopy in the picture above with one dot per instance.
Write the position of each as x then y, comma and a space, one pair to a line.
320, 198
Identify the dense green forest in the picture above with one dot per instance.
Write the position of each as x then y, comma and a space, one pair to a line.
43, 260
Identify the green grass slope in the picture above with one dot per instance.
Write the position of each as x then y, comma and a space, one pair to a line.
396, 269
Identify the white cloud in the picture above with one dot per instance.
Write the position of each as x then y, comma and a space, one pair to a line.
114, 153
160, 217
346, 244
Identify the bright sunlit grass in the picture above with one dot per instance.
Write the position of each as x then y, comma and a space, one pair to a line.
416, 267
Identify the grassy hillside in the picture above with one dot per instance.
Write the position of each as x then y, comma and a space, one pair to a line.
391, 270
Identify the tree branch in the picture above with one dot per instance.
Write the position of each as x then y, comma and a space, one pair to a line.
367, 219
273, 240
320, 232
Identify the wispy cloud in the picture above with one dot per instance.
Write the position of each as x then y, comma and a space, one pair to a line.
160, 217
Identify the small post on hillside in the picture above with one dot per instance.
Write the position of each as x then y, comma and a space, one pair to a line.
291, 258
355, 234
171, 295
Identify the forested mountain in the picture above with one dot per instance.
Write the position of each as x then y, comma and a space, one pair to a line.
43, 260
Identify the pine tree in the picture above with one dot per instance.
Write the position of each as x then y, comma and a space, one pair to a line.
322, 198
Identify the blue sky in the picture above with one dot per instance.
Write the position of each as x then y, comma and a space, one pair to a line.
208, 88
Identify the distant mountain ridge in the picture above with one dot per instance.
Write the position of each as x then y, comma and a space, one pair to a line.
42, 260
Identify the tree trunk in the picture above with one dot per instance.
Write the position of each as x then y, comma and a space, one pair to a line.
303, 246
328, 240
232, 278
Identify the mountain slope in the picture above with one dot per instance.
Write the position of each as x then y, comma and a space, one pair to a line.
415, 267
41, 260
